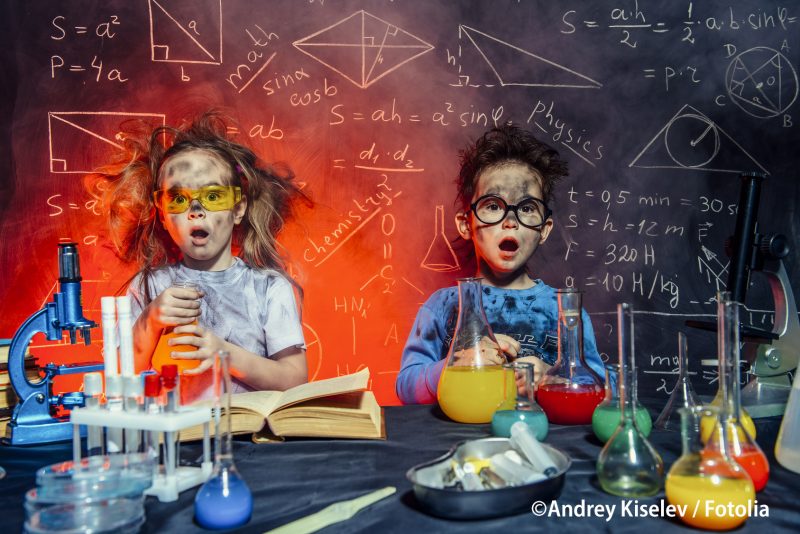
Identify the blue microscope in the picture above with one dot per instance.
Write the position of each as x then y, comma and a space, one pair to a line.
34, 419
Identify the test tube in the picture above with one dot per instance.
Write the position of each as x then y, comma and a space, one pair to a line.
114, 437
92, 390
169, 380
152, 392
132, 387
125, 335
524, 440
513, 473
109, 319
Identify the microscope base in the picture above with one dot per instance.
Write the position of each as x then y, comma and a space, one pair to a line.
35, 434
765, 398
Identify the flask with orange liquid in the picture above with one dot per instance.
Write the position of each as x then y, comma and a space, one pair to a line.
161, 356
742, 446
705, 480
570, 391
472, 384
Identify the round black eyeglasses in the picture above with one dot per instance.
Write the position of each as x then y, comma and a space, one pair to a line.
530, 212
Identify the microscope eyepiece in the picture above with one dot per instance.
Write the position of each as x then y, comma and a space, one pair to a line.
69, 269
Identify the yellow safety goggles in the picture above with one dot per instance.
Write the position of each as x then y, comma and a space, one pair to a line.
211, 197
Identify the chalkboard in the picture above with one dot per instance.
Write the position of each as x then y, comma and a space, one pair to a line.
657, 107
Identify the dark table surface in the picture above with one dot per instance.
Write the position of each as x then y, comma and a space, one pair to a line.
293, 479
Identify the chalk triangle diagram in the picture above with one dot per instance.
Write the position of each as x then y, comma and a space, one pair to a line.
82, 141
182, 33
692, 141
512, 65
363, 48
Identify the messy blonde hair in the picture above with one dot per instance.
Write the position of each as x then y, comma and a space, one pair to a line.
125, 188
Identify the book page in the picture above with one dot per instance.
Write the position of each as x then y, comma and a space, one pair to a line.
322, 388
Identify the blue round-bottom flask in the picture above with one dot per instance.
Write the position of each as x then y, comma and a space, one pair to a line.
224, 501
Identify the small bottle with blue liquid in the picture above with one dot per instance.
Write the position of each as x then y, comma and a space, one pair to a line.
519, 403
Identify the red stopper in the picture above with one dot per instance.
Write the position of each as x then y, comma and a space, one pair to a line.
169, 375
152, 385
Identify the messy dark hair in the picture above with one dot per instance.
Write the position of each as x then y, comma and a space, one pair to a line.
508, 144
125, 188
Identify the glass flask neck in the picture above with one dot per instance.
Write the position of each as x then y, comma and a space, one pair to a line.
223, 448
473, 337
690, 428
627, 362
570, 328
728, 355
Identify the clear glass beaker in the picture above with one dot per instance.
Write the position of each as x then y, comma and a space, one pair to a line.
162, 354
570, 391
519, 404
682, 396
628, 466
224, 500
787, 446
607, 415
742, 446
709, 489
472, 384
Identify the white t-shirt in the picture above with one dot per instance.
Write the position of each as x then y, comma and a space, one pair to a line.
252, 308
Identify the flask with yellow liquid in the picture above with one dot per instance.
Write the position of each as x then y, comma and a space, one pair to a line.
707, 487
162, 354
472, 384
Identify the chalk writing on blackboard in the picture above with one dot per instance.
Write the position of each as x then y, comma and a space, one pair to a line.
440, 256
692, 141
184, 32
372, 48
72, 134
512, 65
762, 82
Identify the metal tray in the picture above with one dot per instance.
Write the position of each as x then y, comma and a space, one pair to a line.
457, 504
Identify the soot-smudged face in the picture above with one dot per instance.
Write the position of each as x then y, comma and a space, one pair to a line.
502, 249
203, 236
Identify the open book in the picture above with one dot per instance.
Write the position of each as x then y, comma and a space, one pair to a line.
338, 407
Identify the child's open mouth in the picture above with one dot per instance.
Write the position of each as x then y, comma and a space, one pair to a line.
509, 245
199, 237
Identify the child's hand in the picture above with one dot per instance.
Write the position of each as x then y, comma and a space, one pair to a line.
205, 340
490, 354
508, 344
539, 367
175, 306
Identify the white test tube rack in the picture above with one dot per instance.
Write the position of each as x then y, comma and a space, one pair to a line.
171, 479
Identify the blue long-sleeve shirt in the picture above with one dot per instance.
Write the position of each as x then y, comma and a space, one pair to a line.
528, 315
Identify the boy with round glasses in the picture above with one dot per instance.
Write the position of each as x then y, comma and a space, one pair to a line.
504, 184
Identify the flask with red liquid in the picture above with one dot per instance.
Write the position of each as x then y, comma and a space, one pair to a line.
570, 390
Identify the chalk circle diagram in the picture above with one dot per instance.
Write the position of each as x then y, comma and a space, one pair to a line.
363, 48
762, 82
81, 141
186, 31
313, 351
692, 141
512, 65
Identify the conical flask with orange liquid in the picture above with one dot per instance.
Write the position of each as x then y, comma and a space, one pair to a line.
162, 355
570, 390
472, 384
